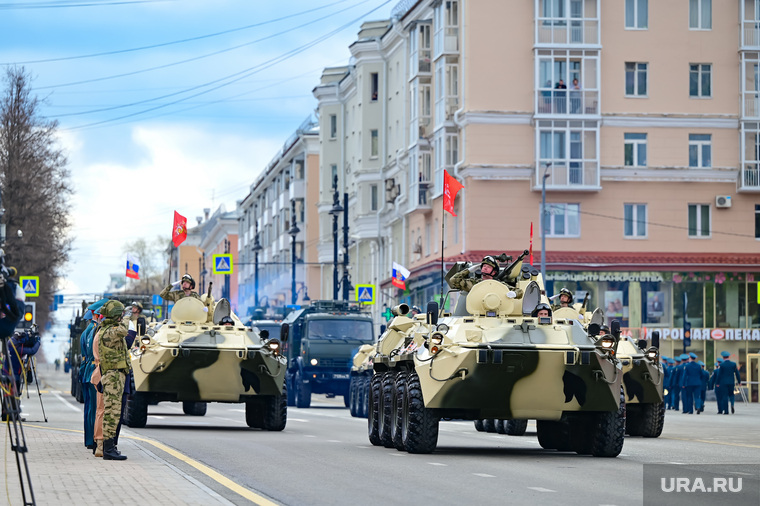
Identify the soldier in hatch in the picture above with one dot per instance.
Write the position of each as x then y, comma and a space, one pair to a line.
489, 269
181, 289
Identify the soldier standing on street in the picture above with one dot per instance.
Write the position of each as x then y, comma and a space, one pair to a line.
711, 383
690, 383
675, 383
725, 382
114, 365
89, 392
703, 387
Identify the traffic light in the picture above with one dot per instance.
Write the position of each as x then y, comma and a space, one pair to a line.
686, 333
29, 317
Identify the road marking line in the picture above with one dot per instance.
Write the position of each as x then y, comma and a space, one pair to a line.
541, 489
67, 403
333, 441
712, 442
484, 475
437, 464
309, 435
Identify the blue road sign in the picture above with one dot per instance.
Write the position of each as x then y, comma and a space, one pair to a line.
157, 300
365, 294
222, 264
30, 285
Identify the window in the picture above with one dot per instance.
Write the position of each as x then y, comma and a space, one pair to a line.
635, 220
373, 86
562, 220
333, 174
635, 79
700, 151
636, 14
699, 220
757, 221
333, 126
635, 150
700, 14
373, 197
700, 80
373, 146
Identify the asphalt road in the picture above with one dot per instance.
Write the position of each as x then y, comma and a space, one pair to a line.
323, 456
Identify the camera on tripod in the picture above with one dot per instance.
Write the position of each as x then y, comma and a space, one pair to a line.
31, 336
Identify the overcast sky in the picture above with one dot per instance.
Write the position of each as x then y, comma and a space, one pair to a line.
170, 104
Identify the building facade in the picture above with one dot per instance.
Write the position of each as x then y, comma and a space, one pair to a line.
219, 244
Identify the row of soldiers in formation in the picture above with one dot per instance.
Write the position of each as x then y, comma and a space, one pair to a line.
687, 380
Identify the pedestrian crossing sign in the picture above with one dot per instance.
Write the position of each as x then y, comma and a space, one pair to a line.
222, 264
365, 294
30, 285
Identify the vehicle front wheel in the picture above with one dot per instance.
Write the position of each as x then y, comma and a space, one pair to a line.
419, 428
303, 392
136, 411
373, 415
194, 408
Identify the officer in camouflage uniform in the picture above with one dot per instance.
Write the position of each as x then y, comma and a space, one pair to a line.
114, 365
489, 268
183, 289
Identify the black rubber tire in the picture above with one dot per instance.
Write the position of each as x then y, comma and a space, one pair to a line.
373, 415
291, 390
254, 413
479, 426
399, 398
515, 427
501, 426
194, 408
136, 411
346, 400
634, 420
276, 411
653, 419
419, 424
387, 393
609, 431
364, 396
553, 435
353, 401
303, 392
489, 425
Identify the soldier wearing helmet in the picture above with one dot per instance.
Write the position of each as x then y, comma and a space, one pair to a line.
489, 269
565, 298
181, 289
542, 310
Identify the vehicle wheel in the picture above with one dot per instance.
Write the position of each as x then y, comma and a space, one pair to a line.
346, 400
373, 416
652, 419
609, 431
489, 425
303, 392
553, 435
254, 413
276, 411
352, 396
634, 420
291, 390
386, 408
479, 426
419, 429
363, 396
399, 399
136, 411
501, 426
194, 408
515, 427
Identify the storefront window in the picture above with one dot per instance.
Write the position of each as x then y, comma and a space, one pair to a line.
655, 302
730, 303
709, 305
694, 299
616, 301
753, 308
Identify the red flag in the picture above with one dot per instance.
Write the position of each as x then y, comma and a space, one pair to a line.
179, 230
531, 243
450, 189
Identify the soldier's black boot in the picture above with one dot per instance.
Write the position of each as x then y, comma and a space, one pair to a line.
109, 451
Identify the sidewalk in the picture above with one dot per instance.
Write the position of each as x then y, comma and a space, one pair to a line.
63, 471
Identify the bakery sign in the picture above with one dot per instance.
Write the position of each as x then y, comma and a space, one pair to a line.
709, 334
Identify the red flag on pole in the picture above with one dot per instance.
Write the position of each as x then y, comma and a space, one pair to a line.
531, 243
179, 230
450, 189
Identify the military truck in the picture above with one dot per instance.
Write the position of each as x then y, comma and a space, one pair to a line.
323, 338
492, 359
189, 360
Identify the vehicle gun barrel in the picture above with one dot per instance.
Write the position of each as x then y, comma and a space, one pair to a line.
505, 274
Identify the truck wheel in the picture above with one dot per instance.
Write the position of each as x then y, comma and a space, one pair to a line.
254, 413
489, 425
515, 427
419, 429
609, 431
653, 419
363, 396
346, 400
303, 392
479, 426
276, 411
386, 408
501, 426
194, 408
136, 411
553, 435
634, 420
398, 410
373, 416
352, 396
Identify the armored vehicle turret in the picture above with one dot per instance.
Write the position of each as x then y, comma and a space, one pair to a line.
187, 359
497, 357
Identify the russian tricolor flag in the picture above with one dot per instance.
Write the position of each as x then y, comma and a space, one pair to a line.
133, 270
400, 273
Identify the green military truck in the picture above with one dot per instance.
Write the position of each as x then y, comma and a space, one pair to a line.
322, 339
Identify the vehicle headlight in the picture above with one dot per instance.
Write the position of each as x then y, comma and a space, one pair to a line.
607, 342
145, 340
150, 332
314, 361
442, 328
273, 345
653, 354
436, 340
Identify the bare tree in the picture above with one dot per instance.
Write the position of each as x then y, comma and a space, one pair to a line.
151, 257
35, 186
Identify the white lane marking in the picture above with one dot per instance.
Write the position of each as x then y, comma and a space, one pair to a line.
541, 489
399, 454
67, 403
333, 441
677, 463
309, 435
484, 475
362, 446
237, 410
159, 417
297, 420
438, 464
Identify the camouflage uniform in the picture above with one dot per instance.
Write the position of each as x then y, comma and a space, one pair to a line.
462, 281
114, 364
174, 295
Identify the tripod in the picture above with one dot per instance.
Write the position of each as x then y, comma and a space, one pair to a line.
11, 408
31, 363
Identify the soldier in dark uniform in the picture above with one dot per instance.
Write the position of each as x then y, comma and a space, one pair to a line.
703, 387
675, 382
690, 383
725, 382
666, 380
711, 383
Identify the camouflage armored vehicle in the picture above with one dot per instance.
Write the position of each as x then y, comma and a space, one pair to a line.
493, 360
361, 374
188, 360
643, 384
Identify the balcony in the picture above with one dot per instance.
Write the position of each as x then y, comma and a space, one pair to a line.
751, 34
569, 175
567, 31
749, 178
567, 102
421, 193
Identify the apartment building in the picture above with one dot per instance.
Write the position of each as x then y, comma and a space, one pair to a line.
278, 232
638, 118
219, 244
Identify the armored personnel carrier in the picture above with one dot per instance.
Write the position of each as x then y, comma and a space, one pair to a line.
187, 359
492, 359
361, 374
643, 385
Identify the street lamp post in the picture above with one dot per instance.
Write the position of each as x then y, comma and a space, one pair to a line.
335, 211
226, 290
256, 249
293, 233
345, 283
543, 222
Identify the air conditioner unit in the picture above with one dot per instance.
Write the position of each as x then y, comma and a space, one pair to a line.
722, 201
